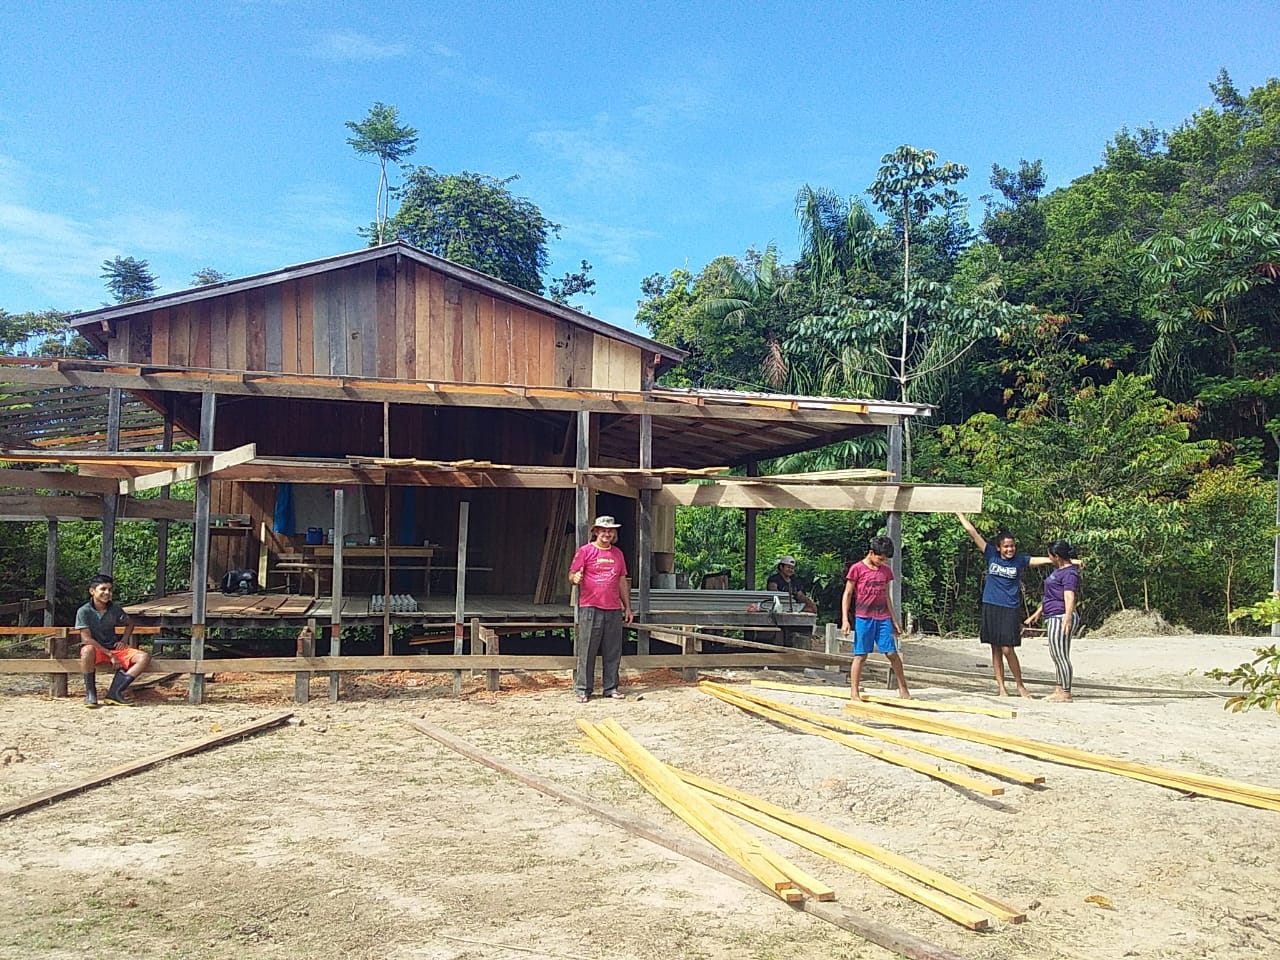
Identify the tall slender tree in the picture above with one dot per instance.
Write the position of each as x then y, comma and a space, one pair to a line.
381, 135
128, 279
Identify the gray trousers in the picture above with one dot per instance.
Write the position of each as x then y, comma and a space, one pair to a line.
598, 631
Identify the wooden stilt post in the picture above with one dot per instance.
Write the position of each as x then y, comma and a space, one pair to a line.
386, 535
335, 608
111, 501
749, 581
644, 562
460, 591
893, 528
200, 550
306, 648
162, 526
582, 514
57, 644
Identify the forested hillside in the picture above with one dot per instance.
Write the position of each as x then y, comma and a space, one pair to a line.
1103, 358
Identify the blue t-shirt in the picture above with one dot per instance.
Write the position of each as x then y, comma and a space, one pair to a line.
1055, 587
1003, 577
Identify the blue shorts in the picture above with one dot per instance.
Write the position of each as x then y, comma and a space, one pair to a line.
873, 636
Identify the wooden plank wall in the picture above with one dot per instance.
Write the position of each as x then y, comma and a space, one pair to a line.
391, 318
507, 526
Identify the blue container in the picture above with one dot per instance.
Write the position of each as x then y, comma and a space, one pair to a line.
315, 536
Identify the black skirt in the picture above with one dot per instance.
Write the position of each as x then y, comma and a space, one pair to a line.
1001, 626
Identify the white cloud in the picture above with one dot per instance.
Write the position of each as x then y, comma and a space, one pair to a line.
353, 46
589, 156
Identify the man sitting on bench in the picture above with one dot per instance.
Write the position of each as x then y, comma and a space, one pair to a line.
97, 621
783, 581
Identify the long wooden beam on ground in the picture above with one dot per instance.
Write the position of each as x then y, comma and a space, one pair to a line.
843, 838
891, 938
840, 724
876, 497
889, 756
1267, 798
951, 908
912, 704
689, 806
1076, 684
137, 766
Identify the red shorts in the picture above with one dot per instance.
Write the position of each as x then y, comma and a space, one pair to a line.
122, 657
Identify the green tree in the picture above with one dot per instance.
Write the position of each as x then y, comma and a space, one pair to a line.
755, 301
34, 333
475, 220
1232, 517
572, 284
207, 277
380, 134
128, 279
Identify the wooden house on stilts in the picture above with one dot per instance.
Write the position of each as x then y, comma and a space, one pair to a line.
448, 434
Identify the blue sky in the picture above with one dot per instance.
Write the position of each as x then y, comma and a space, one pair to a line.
659, 135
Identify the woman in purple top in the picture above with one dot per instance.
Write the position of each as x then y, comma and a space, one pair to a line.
1061, 594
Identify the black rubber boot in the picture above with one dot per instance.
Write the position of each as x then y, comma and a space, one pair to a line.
91, 690
119, 684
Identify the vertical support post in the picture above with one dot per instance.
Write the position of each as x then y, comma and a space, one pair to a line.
57, 644
582, 507
460, 591
162, 526
200, 550
386, 534
749, 581
645, 541
831, 638
335, 607
893, 521
111, 501
306, 648
1275, 569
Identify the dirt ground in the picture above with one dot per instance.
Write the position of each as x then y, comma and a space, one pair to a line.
346, 833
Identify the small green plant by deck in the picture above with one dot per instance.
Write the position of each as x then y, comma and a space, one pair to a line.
1261, 686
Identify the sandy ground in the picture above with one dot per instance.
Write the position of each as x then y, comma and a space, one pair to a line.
348, 834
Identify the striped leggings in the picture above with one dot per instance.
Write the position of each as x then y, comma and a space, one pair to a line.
1060, 647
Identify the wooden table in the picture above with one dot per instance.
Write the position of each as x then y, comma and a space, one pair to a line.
370, 558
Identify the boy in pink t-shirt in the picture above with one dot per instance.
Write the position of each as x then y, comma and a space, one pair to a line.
599, 571
867, 586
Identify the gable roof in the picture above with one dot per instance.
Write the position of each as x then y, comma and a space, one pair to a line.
93, 323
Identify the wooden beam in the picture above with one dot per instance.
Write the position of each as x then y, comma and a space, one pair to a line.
842, 693
900, 759
435, 393
137, 766
191, 471
892, 939
417, 663
843, 838
72, 507
55, 480
877, 497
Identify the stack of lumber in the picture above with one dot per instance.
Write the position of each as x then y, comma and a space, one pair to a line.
945, 895
838, 730
1235, 791
785, 879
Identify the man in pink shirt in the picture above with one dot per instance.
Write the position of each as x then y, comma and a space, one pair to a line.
599, 571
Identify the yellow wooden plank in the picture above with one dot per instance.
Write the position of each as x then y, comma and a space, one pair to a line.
912, 704
889, 756
843, 838
838, 723
1235, 791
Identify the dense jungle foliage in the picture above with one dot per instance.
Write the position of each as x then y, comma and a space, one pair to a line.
1103, 359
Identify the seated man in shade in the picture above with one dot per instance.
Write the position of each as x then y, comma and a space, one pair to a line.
97, 621
783, 580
